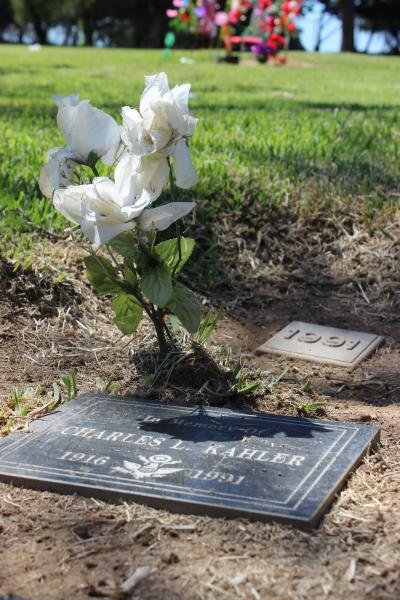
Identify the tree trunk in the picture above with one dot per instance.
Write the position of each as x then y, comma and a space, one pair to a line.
367, 47
88, 30
40, 31
347, 10
67, 34
320, 28
39, 27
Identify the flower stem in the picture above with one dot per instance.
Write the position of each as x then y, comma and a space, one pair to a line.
160, 327
178, 234
114, 260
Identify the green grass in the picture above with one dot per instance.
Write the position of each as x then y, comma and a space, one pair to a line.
322, 132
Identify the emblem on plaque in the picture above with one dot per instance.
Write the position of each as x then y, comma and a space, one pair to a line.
154, 466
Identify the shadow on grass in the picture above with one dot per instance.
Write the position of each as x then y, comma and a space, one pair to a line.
282, 104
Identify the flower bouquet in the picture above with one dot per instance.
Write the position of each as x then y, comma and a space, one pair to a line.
117, 211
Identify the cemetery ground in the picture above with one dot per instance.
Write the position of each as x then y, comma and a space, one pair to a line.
297, 219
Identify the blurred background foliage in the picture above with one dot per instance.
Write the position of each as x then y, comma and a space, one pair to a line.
143, 24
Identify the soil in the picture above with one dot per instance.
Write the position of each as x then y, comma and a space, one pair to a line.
58, 547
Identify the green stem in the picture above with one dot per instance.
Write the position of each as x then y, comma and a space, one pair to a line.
159, 325
114, 260
167, 331
178, 234
156, 317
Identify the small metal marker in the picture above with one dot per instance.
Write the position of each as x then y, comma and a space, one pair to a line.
319, 343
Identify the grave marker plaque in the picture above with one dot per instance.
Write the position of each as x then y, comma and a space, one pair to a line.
195, 460
331, 345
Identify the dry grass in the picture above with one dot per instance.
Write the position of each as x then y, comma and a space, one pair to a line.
91, 548
61, 546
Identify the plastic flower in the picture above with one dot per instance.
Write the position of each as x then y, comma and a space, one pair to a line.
160, 126
86, 129
277, 39
221, 18
105, 208
141, 179
58, 170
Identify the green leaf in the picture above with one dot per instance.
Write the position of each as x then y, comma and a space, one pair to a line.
102, 274
309, 407
308, 386
125, 244
168, 251
156, 284
130, 276
145, 260
208, 325
186, 307
247, 389
128, 313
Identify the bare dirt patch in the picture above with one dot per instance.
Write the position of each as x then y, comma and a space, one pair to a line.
62, 546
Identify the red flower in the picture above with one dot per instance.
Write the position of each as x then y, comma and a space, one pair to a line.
277, 39
270, 21
234, 16
291, 27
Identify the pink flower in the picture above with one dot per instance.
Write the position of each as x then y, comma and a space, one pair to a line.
171, 13
221, 18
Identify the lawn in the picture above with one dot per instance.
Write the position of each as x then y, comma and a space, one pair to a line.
320, 133
297, 219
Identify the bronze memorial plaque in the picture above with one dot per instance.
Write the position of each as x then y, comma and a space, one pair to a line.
188, 459
320, 343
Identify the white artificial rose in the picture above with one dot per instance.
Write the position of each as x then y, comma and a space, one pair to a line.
160, 105
161, 124
87, 129
141, 178
170, 106
58, 171
69, 202
105, 208
100, 209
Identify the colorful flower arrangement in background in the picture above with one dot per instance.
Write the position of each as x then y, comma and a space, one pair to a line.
274, 22
196, 17
265, 25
